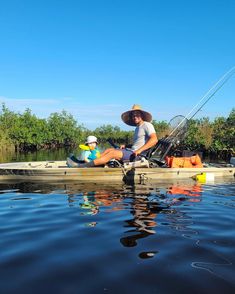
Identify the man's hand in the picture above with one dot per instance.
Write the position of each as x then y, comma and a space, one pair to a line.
136, 152
150, 143
122, 146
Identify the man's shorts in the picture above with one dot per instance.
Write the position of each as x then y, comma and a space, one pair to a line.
126, 154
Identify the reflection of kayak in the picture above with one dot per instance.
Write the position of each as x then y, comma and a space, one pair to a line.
58, 170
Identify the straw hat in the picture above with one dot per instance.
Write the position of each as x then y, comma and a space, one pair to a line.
126, 116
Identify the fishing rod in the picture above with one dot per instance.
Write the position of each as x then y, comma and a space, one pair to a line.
205, 98
179, 123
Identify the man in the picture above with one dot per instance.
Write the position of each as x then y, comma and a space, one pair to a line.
144, 138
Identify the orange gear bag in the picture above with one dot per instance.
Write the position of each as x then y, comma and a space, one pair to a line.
183, 162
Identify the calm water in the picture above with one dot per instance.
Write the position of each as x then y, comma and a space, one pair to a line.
174, 237
166, 238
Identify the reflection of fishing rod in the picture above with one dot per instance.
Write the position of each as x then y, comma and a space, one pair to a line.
212, 91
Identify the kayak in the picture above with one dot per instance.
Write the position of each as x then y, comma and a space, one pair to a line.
59, 171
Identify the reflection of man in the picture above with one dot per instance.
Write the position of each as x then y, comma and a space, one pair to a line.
143, 220
144, 138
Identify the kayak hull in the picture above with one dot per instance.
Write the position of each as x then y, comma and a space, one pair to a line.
58, 171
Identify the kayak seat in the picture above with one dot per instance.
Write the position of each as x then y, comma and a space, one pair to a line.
156, 155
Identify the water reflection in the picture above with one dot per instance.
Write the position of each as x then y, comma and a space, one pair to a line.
146, 207
86, 202
40, 155
192, 192
143, 221
143, 203
88, 227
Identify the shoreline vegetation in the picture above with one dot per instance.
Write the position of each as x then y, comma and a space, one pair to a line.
24, 132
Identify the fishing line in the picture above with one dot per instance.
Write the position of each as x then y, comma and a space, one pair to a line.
225, 77
214, 89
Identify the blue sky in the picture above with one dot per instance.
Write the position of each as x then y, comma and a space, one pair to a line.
96, 58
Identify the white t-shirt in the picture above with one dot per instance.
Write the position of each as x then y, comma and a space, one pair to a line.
142, 134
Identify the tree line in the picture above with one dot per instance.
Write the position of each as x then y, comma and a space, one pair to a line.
26, 132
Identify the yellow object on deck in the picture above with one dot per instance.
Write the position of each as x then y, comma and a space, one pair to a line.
204, 177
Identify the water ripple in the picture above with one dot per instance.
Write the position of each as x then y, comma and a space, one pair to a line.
74, 238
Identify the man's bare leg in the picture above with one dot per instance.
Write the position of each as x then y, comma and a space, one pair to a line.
107, 156
106, 151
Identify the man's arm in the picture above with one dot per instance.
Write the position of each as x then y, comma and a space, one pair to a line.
150, 143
